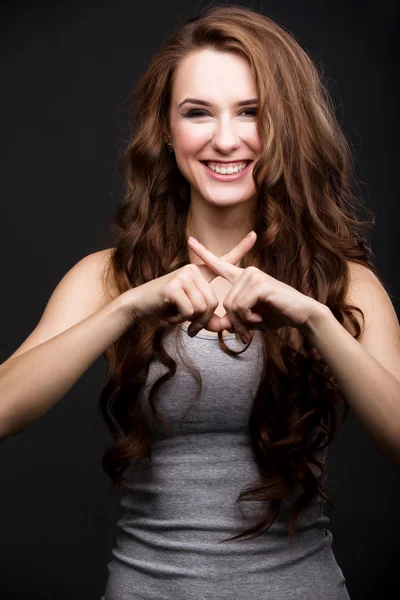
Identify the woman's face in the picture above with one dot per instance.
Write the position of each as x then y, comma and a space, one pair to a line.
222, 131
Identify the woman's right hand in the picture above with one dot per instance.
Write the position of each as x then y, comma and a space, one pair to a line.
184, 294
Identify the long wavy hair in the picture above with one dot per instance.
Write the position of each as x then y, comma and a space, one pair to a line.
308, 227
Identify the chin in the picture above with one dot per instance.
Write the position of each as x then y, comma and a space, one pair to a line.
225, 197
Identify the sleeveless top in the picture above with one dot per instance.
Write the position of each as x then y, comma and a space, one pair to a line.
179, 507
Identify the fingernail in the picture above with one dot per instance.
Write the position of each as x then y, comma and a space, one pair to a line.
249, 234
193, 239
245, 338
193, 331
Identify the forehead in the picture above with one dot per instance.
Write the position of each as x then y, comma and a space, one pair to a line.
214, 76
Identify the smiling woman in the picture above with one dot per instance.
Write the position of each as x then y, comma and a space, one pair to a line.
220, 441
235, 131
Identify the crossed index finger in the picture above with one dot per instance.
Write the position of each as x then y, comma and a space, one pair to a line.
219, 265
235, 255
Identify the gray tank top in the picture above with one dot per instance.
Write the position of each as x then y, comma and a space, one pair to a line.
180, 506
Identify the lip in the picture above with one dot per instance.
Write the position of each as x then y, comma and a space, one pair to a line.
232, 177
226, 162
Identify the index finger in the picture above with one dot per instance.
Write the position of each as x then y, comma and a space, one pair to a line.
219, 265
235, 255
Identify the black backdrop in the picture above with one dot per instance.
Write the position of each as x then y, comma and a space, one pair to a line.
66, 70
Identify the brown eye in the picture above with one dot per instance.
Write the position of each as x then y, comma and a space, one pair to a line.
253, 111
194, 113
200, 113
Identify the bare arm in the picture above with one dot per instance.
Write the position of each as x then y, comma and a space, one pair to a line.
85, 315
49, 362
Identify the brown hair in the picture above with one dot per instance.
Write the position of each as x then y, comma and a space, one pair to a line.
307, 230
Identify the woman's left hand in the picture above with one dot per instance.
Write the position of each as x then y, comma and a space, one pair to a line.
256, 300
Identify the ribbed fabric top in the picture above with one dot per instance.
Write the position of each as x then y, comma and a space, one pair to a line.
178, 508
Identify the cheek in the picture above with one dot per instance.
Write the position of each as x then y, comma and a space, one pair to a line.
190, 138
255, 141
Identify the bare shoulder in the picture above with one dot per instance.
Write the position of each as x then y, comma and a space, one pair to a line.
381, 335
364, 286
105, 284
87, 287
367, 292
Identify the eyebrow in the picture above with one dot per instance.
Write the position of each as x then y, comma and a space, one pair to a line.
204, 103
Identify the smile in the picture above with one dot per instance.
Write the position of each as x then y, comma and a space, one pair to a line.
228, 177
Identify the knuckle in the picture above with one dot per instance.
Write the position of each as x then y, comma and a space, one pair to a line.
191, 269
214, 304
180, 279
252, 272
203, 307
170, 287
251, 269
200, 308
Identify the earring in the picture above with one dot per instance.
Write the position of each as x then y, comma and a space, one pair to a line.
170, 147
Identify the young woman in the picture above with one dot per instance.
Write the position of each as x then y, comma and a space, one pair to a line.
233, 133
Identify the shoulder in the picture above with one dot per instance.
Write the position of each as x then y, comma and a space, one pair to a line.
94, 276
366, 290
359, 273
81, 292
381, 334
100, 263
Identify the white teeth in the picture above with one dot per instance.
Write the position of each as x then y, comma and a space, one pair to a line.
226, 170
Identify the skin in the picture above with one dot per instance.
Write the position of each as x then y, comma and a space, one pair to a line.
220, 212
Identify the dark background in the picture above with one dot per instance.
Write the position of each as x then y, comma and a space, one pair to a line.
66, 70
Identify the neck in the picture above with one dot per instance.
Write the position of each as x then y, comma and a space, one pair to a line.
219, 228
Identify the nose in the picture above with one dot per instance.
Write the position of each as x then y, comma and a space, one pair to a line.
225, 138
